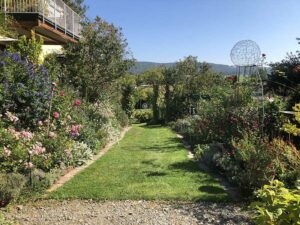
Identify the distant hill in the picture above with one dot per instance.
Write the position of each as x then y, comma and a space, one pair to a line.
140, 67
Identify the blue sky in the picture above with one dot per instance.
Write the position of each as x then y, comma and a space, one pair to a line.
168, 30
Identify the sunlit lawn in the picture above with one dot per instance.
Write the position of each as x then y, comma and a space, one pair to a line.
150, 163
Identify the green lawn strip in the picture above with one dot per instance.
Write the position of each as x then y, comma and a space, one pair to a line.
150, 163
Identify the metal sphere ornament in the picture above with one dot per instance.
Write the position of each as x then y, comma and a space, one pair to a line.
245, 53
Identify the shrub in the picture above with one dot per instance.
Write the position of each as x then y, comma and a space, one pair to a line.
286, 163
143, 115
254, 158
81, 153
278, 205
11, 185
25, 89
208, 154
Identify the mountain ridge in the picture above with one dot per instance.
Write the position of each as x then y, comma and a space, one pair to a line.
142, 66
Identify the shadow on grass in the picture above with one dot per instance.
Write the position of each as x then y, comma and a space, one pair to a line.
155, 174
151, 126
188, 166
150, 162
160, 148
211, 189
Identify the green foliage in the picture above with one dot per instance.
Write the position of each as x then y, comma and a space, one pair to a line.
81, 153
78, 6
278, 205
6, 26
128, 88
11, 185
286, 161
25, 88
98, 60
29, 48
292, 128
285, 80
143, 115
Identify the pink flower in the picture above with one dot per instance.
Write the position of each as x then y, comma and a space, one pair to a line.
75, 131
77, 102
38, 149
52, 135
56, 115
6, 152
26, 135
28, 165
11, 117
62, 94
13, 132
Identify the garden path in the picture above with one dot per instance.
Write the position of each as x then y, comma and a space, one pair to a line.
147, 178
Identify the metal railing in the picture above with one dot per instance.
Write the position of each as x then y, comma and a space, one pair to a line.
55, 12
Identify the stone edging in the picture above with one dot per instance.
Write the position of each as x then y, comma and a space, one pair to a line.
62, 180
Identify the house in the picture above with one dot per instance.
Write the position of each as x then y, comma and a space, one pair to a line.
52, 20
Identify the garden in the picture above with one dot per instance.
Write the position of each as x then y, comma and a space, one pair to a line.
57, 113
51, 123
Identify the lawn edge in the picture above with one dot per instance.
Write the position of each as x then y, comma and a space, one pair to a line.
70, 174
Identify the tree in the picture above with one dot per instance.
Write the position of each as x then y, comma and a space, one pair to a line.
285, 78
78, 6
128, 88
98, 60
154, 77
169, 81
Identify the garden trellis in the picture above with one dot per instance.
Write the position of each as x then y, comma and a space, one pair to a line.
248, 59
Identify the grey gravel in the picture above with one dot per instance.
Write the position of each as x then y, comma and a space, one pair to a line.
88, 212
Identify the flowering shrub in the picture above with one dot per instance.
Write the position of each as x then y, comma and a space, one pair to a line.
25, 89
44, 125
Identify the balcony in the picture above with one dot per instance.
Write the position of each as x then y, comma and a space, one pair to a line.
53, 20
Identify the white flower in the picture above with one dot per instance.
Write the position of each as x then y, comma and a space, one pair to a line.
6, 152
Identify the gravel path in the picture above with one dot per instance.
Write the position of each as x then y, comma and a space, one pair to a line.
75, 212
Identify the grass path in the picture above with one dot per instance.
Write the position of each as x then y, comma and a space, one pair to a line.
150, 163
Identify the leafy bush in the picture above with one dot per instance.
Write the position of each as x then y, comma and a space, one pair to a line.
25, 89
207, 153
80, 153
278, 205
286, 161
143, 115
11, 185
42, 180
254, 160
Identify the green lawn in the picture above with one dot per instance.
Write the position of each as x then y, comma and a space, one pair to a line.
149, 163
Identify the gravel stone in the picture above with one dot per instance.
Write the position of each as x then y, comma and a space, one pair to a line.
52, 212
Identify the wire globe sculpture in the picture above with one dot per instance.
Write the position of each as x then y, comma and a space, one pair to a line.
245, 53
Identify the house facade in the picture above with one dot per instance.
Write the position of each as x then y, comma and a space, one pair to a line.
52, 20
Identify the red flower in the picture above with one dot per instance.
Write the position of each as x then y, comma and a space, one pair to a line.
62, 93
56, 115
77, 102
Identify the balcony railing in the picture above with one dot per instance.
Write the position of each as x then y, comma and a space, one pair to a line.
55, 12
